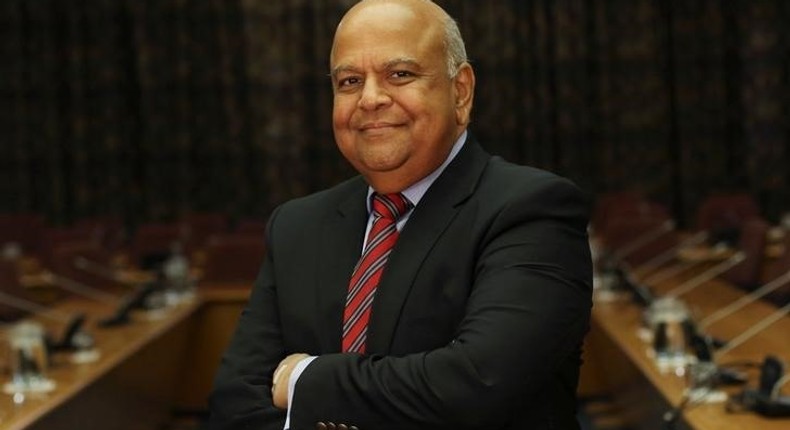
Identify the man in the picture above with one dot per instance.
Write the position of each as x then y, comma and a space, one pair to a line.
469, 303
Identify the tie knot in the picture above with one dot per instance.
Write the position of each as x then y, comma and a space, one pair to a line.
390, 206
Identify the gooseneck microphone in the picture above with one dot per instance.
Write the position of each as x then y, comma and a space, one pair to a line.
745, 300
73, 337
754, 330
96, 268
669, 306
643, 239
669, 272
766, 400
33, 308
641, 293
706, 276
670, 253
81, 289
141, 298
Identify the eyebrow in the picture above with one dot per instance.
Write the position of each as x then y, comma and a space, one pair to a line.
387, 65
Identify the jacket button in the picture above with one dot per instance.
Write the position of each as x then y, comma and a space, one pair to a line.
320, 426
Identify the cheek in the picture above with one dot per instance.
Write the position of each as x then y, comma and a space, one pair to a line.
424, 110
339, 118
342, 110
343, 139
342, 130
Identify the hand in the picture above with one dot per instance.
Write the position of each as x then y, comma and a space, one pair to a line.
282, 374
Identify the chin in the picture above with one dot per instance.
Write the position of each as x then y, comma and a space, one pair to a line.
379, 167
383, 157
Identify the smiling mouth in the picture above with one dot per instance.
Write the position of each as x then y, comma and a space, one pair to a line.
377, 126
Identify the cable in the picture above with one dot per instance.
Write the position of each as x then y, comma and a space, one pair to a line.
778, 386
671, 416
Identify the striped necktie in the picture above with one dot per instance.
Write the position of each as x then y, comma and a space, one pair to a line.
387, 209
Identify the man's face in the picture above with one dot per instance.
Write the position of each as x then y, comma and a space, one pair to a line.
395, 107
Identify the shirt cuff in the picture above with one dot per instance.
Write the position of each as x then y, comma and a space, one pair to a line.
295, 373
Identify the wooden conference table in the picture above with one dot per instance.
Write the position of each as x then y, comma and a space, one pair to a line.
161, 361
617, 361
166, 361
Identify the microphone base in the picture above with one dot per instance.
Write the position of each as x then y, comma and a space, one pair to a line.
762, 404
707, 395
114, 321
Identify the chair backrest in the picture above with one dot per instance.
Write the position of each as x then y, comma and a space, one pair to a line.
776, 268
644, 210
251, 228
9, 284
110, 231
152, 243
201, 226
723, 215
622, 204
65, 262
638, 239
23, 229
752, 240
232, 258
54, 237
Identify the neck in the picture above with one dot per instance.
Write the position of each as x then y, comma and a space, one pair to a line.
383, 184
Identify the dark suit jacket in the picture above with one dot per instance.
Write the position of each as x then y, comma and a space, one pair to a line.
477, 322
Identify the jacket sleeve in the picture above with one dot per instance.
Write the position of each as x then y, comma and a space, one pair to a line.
241, 398
527, 312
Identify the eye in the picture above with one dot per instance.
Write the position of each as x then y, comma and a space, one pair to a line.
348, 82
401, 74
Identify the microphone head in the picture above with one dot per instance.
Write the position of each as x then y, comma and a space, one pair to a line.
702, 348
754, 400
660, 338
771, 372
641, 293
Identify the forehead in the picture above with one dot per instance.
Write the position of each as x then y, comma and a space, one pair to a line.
385, 31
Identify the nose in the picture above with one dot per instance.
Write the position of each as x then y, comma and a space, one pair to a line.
374, 96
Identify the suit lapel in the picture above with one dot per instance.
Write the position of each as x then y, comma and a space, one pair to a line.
341, 246
430, 218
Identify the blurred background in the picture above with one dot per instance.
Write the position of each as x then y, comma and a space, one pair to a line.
135, 134
147, 110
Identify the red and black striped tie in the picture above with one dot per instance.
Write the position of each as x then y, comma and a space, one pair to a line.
387, 209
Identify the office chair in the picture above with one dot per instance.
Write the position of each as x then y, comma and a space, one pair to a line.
752, 240
723, 215
232, 258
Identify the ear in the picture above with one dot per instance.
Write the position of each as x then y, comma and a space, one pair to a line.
464, 83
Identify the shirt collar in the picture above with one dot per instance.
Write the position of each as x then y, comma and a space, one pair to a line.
415, 192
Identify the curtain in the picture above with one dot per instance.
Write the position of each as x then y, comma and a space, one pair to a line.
148, 109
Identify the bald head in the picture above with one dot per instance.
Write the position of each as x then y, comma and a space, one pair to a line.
426, 16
